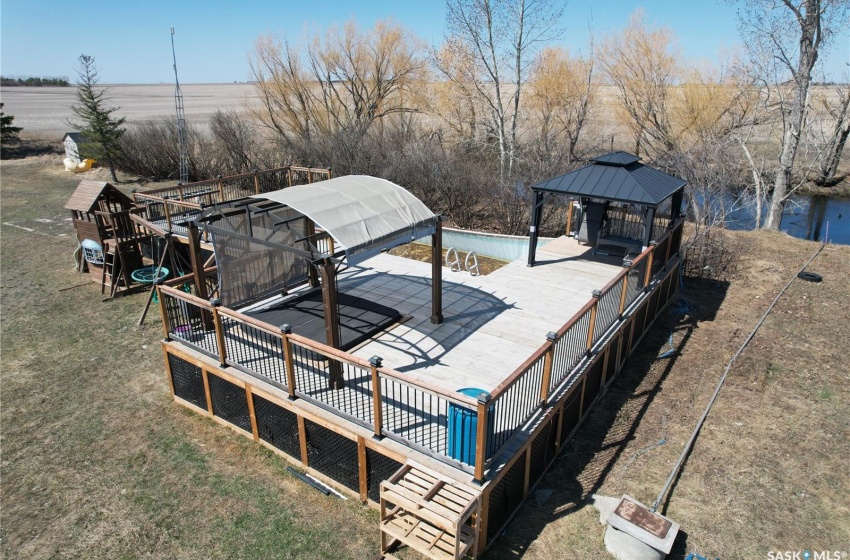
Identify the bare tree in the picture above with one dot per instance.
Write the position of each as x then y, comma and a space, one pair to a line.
639, 63
830, 157
562, 96
340, 84
493, 43
785, 38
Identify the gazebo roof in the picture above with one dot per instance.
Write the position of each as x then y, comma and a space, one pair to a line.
617, 176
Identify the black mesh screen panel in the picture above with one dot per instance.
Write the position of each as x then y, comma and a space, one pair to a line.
229, 402
378, 468
188, 381
333, 455
277, 426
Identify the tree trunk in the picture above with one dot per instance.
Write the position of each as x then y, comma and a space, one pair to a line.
832, 154
810, 38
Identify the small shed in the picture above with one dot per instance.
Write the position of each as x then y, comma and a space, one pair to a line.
73, 142
645, 195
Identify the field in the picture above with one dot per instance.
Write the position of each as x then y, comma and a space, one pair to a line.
97, 462
43, 112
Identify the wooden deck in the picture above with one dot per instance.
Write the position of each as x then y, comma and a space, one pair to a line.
492, 323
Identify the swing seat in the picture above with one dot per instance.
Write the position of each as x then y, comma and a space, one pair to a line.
148, 274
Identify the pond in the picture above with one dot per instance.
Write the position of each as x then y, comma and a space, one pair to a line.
816, 218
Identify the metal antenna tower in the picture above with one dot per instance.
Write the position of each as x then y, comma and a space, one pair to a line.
181, 120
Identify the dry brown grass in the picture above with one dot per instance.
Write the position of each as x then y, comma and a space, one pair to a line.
97, 462
769, 469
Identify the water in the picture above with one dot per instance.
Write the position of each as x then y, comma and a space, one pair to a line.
805, 218
504, 247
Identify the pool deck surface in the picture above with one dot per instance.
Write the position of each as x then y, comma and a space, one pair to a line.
492, 323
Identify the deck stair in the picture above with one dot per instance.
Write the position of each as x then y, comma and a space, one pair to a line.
430, 513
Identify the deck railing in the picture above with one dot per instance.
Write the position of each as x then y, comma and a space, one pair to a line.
172, 208
399, 406
388, 402
515, 401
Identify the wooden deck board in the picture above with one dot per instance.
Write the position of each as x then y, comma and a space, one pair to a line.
492, 323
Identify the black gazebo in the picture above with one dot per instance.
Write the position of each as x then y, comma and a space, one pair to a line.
616, 177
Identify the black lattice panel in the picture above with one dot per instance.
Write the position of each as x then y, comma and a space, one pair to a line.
188, 381
572, 414
505, 497
640, 316
333, 455
228, 402
611, 370
277, 426
538, 454
551, 444
378, 469
594, 378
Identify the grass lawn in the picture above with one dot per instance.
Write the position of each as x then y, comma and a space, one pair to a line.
97, 462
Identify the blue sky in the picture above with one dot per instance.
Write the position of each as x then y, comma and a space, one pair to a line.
131, 44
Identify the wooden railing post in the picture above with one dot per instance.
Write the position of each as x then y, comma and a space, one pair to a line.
481, 436
166, 328
591, 326
256, 181
377, 414
569, 218
220, 186
219, 332
648, 274
167, 214
285, 331
547, 369
623, 293
289, 176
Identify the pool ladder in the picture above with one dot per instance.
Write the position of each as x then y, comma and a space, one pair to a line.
453, 261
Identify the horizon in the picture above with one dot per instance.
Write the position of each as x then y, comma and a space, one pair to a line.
213, 46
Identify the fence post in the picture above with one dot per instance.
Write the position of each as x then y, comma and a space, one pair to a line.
481, 436
256, 181
378, 421
166, 327
591, 326
648, 274
547, 369
219, 332
167, 214
285, 331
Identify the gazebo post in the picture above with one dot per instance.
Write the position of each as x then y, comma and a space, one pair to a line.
676, 205
647, 231
309, 233
437, 273
329, 299
535, 225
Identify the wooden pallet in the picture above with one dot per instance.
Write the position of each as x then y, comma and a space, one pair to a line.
431, 513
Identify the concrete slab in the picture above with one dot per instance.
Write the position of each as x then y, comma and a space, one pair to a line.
625, 547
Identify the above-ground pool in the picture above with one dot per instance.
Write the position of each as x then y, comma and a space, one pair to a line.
504, 247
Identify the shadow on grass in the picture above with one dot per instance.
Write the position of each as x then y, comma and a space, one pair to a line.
576, 476
28, 148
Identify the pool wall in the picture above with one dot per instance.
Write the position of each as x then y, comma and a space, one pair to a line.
504, 247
